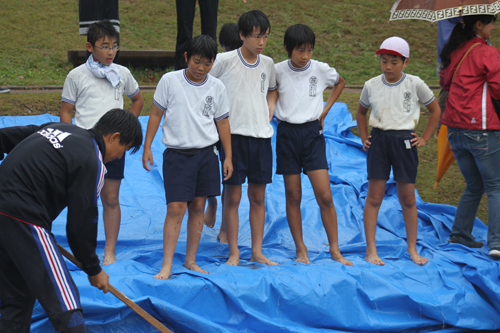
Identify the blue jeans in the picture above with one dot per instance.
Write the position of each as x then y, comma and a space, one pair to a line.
478, 157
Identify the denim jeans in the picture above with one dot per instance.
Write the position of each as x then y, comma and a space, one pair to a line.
478, 157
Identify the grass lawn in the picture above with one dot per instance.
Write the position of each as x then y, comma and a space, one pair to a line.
39, 34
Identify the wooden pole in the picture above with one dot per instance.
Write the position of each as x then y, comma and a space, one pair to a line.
140, 311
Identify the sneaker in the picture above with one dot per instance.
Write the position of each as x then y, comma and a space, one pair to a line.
495, 253
4, 90
474, 245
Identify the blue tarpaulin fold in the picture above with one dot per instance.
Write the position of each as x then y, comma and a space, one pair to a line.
459, 288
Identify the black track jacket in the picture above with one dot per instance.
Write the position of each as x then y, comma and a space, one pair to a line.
48, 168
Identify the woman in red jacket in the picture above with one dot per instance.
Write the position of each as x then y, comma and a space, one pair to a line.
472, 76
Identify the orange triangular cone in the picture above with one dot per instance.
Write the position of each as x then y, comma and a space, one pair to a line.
445, 155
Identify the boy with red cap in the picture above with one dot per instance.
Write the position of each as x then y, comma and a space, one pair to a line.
395, 99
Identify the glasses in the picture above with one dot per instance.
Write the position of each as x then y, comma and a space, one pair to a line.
107, 48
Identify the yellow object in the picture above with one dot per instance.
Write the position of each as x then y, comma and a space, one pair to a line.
445, 155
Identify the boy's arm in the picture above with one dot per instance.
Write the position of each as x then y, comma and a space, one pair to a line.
272, 98
137, 103
66, 112
435, 110
225, 138
334, 95
10, 137
363, 126
153, 123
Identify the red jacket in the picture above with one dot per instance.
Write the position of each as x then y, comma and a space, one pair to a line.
469, 103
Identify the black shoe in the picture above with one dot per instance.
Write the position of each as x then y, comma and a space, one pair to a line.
4, 90
474, 245
495, 253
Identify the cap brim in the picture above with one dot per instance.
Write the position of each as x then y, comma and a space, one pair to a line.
386, 51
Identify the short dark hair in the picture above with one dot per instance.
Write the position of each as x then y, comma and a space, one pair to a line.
202, 45
298, 35
253, 19
229, 37
101, 29
123, 122
394, 56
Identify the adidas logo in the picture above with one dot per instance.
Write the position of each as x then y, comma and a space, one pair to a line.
75, 320
54, 136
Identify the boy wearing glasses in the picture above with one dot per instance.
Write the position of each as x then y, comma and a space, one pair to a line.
249, 78
92, 89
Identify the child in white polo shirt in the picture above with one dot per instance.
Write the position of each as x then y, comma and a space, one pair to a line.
249, 78
300, 144
93, 89
190, 100
229, 40
395, 99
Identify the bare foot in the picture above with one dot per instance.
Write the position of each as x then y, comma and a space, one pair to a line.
374, 259
194, 267
234, 259
340, 258
109, 258
164, 273
222, 237
302, 255
262, 259
417, 259
209, 218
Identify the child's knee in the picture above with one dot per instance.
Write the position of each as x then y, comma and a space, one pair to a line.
407, 201
324, 199
197, 207
374, 200
232, 199
110, 200
257, 198
293, 197
176, 209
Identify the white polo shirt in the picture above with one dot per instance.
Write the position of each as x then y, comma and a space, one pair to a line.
395, 106
93, 96
190, 109
301, 90
247, 86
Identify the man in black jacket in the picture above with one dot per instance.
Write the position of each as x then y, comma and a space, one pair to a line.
48, 168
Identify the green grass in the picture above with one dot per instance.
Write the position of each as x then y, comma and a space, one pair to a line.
37, 36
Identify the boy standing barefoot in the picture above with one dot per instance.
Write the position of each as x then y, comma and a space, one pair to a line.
249, 78
300, 144
92, 89
395, 100
229, 39
190, 100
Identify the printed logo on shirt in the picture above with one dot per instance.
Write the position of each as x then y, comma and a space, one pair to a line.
407, 102
56, 137
313, 81
263, 82
473, 121
118, 91
208, 106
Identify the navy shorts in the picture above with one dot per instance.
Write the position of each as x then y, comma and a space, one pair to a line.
115, 168
392, 148
252, 159
188, 176
300, 147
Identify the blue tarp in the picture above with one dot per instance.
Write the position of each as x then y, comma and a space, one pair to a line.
459, 288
